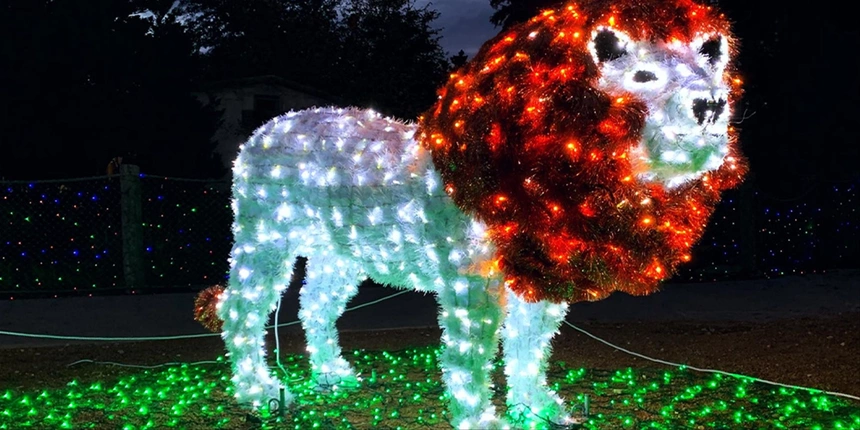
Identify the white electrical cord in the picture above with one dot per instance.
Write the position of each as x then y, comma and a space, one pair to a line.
278, 349
669, 363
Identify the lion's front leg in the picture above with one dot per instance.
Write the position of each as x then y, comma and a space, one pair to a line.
470, 317
526, 336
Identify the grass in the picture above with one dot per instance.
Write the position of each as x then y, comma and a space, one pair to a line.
403, 389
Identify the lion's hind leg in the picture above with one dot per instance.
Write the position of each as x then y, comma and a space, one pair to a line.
526, 336
259, 275
330, 283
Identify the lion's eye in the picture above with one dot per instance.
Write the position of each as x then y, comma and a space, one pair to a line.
712, 49
643, 76
607, 46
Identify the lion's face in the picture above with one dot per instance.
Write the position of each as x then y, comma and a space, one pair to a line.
686, 130
594, 141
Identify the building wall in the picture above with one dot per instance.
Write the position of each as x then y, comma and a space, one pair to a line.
239, 119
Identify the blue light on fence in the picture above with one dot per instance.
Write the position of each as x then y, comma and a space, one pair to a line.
44, 240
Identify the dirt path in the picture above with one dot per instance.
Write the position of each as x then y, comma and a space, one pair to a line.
815, 352
171, 314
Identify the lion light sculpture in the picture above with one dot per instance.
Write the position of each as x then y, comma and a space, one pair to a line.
577, 154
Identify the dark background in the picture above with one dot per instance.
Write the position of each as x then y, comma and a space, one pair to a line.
797, 119
86, 80
83, 81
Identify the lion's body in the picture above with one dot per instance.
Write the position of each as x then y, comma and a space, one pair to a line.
360, 187
557, 167
357, 196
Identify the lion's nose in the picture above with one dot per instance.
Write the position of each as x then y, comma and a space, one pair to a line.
708, 110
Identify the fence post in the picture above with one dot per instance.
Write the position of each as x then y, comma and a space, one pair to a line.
132, 226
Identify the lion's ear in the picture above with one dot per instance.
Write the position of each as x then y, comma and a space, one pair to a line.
712, 50
607, 44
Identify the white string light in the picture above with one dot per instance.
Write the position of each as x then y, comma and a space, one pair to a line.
687, 129
355, 193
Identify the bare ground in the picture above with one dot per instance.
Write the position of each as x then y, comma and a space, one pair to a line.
819, 352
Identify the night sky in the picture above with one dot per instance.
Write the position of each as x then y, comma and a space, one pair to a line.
465, 24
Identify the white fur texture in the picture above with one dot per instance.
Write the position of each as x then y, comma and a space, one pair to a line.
680, 75
357, 195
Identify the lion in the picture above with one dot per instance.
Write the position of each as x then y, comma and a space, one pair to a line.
577, 154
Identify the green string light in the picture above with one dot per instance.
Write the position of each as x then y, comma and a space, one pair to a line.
403, 389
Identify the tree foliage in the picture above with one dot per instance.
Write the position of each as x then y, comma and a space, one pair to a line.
392, 60
379, 53
511, 12
88, 80
288, 38
459, 60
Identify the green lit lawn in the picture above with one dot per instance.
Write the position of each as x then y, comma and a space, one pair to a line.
402, 390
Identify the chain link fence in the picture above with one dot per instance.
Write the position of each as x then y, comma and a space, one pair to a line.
60, 236
818, 229
137, 233
719, 253
754, 233
186, 231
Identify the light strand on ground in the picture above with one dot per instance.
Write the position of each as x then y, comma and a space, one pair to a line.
406, 394
583, 331
597, 338
141, 366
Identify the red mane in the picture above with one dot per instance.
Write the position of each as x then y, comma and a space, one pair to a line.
526, 143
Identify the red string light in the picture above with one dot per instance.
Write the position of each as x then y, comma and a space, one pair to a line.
526, 142
205, 305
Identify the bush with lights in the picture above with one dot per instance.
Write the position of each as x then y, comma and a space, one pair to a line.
577, 154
